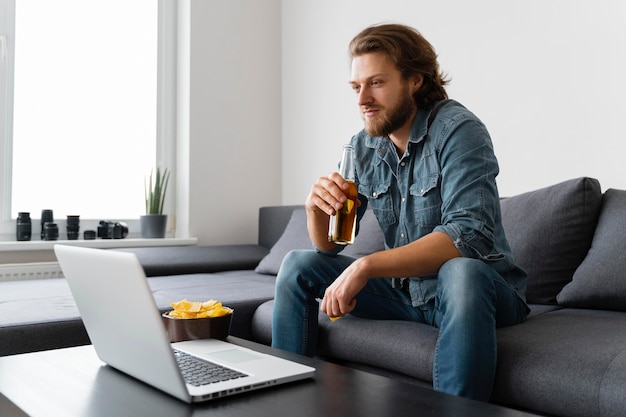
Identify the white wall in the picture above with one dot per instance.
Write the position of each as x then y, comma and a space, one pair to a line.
234, 121
546, 76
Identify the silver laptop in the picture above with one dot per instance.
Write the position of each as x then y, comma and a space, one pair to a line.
127, 332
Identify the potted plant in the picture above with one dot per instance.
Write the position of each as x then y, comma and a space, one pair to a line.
154, 222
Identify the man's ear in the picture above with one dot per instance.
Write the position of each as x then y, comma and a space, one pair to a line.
416, 82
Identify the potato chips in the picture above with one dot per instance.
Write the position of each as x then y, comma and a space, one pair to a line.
185, 309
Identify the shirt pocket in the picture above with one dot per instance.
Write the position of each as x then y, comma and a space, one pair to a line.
426, 197
379, 198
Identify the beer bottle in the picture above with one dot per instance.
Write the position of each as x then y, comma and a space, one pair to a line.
341, 227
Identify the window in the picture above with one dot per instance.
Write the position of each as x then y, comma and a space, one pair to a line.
83, 84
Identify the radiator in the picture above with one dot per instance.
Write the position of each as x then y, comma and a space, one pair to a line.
35, 270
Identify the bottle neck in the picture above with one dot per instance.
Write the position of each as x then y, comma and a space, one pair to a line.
346, 168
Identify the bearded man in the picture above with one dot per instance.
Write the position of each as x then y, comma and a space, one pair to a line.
425, 165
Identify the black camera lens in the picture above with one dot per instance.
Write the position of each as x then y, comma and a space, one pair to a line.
24, 227
46, 217
89, 234
73, 227
50, 231
120, 231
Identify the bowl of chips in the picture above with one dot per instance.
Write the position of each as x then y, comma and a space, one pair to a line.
190, 320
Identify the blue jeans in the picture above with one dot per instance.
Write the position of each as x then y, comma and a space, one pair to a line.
472, 300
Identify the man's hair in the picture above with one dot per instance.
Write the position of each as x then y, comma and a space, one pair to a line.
410, 52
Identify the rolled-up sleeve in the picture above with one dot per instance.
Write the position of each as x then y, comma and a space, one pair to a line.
470, 201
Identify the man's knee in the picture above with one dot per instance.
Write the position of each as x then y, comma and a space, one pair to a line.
464, 266
310, 264
294, 263
309, 268
300, 259
465, 278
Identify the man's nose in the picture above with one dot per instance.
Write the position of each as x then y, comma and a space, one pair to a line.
364, 97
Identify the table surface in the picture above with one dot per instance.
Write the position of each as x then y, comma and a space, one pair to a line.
74, 382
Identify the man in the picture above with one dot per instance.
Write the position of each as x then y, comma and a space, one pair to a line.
426, 166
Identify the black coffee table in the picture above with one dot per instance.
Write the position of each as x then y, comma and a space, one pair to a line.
74, 382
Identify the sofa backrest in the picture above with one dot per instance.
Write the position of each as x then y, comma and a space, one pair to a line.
550, 232
272, 223
600, 281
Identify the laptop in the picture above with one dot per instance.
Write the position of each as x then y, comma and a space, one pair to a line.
127, 332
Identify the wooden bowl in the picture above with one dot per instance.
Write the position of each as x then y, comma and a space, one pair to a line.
202, 328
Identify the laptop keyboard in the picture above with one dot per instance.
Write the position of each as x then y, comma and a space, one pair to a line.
199, 372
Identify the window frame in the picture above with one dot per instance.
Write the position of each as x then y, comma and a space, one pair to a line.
166, 114
7, 56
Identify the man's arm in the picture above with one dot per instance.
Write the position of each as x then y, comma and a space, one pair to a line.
422, 257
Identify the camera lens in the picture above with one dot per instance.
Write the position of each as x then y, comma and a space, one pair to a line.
120, 231
24, 227
50, 231
46, 217
73, 227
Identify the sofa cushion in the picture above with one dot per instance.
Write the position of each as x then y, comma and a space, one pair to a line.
376, 343
41, 314
569, 362
550, 231
370, 239
600, 281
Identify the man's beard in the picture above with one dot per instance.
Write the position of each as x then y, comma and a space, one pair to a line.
392, 119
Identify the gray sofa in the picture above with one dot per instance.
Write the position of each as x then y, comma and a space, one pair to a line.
567, 359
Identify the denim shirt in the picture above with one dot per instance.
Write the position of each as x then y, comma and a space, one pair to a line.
444, 182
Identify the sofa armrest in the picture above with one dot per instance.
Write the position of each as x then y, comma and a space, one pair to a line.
178, 260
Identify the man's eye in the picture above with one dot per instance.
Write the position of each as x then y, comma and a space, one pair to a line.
375, 83
356, 88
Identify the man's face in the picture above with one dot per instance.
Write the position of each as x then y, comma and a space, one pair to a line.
384, 97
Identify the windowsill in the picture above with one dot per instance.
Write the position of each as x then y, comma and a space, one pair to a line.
42, 245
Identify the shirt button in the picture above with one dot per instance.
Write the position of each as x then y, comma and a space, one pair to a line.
403, 199
402, 235
374, 194
402, 163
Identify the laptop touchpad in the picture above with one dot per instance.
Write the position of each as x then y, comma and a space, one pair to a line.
234, 356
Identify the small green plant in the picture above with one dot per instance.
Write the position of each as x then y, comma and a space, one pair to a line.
154, 192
